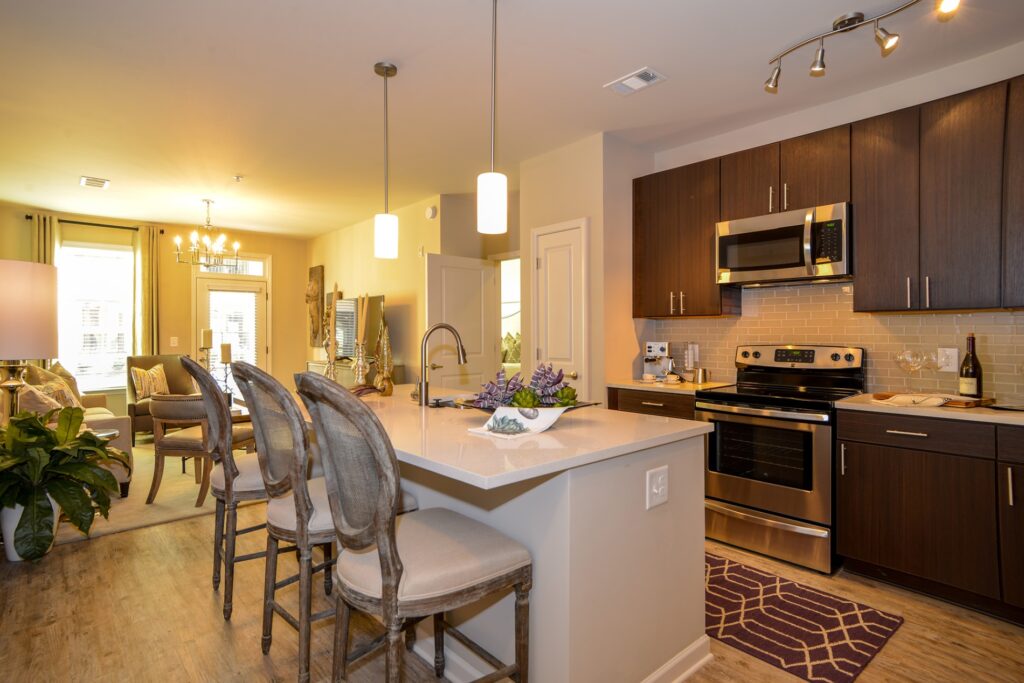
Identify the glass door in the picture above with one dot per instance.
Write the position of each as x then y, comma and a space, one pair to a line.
236, 312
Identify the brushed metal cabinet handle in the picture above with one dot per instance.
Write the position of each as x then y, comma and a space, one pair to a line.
652, 404
1009, 485
682, 303
903, 433
785, 196
771, 196
908, 291
927, 291
671, 303
842, 459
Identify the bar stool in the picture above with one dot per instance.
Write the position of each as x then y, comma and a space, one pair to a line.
404, 568
233, 480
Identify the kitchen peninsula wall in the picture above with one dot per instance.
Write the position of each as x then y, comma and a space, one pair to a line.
823, 314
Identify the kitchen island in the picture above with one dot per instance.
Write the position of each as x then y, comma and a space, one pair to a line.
618, 589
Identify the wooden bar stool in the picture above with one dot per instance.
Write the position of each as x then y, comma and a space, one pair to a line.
233, 480
404, 568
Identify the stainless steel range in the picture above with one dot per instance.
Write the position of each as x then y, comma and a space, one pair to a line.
769, 467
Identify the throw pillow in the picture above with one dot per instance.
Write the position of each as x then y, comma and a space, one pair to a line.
150, 382
63, 373
58, 390
35, 401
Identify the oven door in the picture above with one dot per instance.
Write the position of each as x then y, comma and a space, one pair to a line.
773, 460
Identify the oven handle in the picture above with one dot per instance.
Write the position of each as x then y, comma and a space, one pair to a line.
794, 528
764, 412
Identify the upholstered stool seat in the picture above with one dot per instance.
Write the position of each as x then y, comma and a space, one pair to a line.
442, 552
249, 476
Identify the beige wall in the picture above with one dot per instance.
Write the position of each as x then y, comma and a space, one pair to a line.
15, 232
823, 314
458, 228
347, 257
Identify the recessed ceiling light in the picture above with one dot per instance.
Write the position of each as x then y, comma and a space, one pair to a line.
638, 80
89, 181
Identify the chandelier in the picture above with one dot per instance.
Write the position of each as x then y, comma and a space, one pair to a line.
207, 249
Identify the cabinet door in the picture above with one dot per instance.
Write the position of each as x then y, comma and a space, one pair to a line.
750, 183
655, 242
1011, 531
926, 514
884, 185
961, 192
1013, 198
697, 290
815, 169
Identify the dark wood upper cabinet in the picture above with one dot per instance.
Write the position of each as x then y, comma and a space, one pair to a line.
884, 186
815, 169
1013, 198
926, 514
1011, 532
655, 235
961, 199
750, 183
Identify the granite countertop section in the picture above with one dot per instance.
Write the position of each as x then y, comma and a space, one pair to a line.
864, 402
687, 388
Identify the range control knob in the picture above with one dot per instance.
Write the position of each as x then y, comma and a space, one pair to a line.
835, 357
745, 354
757, 354
848, 357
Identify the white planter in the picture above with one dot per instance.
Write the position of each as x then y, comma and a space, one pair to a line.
534, 420
9, 518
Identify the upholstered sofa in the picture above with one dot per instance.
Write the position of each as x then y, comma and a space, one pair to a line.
178, 382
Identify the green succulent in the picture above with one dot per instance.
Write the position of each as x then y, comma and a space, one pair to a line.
506, 425
565, 397
526, 398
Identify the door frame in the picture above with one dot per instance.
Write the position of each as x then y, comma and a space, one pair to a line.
583, 225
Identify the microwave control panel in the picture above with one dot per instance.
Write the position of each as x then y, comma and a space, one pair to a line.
827, 241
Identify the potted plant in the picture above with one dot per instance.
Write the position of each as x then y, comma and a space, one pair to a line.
520, 408
46, 466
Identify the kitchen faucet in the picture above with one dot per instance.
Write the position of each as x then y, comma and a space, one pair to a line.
424, 398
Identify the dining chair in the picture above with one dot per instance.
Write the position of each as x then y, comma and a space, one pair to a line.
404, 568
233, 480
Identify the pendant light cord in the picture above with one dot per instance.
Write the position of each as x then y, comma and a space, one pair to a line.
385, 144
494, 61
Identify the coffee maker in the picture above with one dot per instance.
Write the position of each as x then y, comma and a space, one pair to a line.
657, 360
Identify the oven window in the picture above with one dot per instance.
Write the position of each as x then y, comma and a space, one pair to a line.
767, 454
764, 249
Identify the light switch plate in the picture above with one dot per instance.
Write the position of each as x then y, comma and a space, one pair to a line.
949, 360
174, 342
657, 486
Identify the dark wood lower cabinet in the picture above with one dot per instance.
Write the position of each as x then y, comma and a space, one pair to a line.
925, 514
664, 404
1011, 531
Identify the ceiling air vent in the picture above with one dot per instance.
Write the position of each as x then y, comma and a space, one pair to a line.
638, 80
89, 181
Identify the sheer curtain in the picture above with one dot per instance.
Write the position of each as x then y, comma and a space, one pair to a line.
147, 263
45, 238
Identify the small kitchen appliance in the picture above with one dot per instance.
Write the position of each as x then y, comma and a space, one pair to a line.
769, 463
657, 360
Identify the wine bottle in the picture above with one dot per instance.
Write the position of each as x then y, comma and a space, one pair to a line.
970, 371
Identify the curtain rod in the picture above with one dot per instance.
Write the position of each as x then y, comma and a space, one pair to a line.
28, 217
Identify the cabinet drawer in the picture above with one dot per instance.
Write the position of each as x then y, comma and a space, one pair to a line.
655, 403
1010, 443
958, 437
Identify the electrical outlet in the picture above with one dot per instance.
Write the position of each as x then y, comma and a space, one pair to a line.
949, 360
174, 342
657, 486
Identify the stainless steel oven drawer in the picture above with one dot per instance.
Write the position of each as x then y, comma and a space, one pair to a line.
802, 543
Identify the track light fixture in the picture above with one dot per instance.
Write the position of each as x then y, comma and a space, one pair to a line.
944, 10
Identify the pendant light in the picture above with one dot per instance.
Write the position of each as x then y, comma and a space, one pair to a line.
385, 225
492, 188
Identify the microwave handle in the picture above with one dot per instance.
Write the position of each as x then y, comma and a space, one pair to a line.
808, 260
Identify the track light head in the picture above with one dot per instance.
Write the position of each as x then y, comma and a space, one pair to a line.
772, 84
946, 8
887, 41
818, 65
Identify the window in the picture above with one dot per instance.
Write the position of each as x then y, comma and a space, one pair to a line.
95, 298
246, 266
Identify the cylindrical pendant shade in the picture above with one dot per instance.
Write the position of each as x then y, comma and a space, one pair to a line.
385, 236
492, 203
28, 311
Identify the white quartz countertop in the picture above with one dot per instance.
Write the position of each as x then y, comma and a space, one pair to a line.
688, 388
865, 403
438, 440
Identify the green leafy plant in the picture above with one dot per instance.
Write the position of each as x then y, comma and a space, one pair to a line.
506, 425
565, 397
526, 398
37, 459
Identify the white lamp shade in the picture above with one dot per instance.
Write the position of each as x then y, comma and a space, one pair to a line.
28, 311
385, 236
492, 203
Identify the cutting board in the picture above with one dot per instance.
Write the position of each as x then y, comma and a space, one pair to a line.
960, 402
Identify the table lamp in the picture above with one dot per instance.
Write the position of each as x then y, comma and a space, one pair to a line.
28, 321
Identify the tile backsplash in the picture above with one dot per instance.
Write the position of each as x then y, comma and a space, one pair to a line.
823, 314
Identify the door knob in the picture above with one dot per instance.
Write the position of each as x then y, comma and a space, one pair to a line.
572, 375
435, 366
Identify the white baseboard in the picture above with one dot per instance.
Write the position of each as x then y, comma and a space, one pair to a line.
686, 663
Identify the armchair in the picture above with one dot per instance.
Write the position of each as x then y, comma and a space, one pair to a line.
179, 382
97, 417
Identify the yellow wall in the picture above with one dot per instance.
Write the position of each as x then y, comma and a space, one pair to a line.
458, 228
347, 257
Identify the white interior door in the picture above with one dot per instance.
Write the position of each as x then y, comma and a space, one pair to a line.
560, 300
464, 293
236, 311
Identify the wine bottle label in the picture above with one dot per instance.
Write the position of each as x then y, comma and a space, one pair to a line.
968, 386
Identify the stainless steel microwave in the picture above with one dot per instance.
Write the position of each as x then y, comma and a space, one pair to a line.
806, 244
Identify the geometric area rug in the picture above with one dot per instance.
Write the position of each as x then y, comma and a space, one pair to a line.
813, 635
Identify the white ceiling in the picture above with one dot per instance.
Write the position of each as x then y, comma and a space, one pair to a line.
169, 100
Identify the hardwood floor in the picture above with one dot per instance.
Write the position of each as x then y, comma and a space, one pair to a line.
938, 642
138, 606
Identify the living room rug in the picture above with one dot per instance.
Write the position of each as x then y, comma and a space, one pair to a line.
175, 500
806, 632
